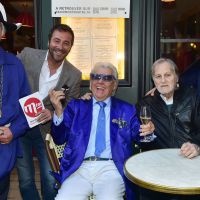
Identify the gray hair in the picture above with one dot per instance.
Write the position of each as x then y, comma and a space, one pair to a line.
107, 65
172, 64
3, 29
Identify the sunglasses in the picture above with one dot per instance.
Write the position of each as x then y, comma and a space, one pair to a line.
107, 78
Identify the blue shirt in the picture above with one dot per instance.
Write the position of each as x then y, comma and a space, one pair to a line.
91, 145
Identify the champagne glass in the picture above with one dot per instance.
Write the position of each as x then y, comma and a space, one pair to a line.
145, 117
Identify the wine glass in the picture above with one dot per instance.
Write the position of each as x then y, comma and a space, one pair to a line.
145, 117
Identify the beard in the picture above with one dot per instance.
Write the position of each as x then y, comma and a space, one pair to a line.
57, 58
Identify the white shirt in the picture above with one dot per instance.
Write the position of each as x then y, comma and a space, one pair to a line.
91, 145
167, 101
47, 82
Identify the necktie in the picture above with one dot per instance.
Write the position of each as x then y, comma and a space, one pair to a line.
100, 143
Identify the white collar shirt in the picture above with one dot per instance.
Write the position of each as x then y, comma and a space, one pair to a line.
47, 82
167, 101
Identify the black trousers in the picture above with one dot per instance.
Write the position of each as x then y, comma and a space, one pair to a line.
4, 187
152, 195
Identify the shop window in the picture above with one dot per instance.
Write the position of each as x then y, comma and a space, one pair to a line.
99, 40
180, 32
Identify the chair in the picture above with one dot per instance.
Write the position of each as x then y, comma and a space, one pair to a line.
54, 153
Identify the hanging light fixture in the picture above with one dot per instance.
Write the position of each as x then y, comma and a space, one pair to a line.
168, 4
26, 19
167, 1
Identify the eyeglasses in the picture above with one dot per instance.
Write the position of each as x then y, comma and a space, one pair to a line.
107, 78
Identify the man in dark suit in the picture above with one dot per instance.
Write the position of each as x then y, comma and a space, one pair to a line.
46, 70
99, 133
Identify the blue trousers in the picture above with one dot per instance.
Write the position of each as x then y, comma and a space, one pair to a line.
26, 170
4, 187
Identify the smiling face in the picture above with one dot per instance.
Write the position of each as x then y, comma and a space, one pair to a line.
165, 79
59, 46
102, 89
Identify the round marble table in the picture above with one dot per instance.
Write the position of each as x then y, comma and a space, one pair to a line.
164, 170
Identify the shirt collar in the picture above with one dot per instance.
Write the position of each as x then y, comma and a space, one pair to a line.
107, 101
46, 56
167, 101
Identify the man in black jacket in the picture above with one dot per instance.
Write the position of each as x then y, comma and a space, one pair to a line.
176, 115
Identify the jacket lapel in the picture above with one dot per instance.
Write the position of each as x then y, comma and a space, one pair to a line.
86, 120
64, 76
114, 114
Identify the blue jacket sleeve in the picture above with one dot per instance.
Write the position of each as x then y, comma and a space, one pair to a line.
61, 132
19, 124
135, 126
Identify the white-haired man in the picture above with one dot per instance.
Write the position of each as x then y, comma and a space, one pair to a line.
99, 133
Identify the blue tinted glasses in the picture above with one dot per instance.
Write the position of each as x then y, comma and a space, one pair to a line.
107, 78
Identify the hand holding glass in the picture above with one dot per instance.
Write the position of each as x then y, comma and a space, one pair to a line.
145, 117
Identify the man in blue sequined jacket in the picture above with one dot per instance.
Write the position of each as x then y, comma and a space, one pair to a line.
90, 163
